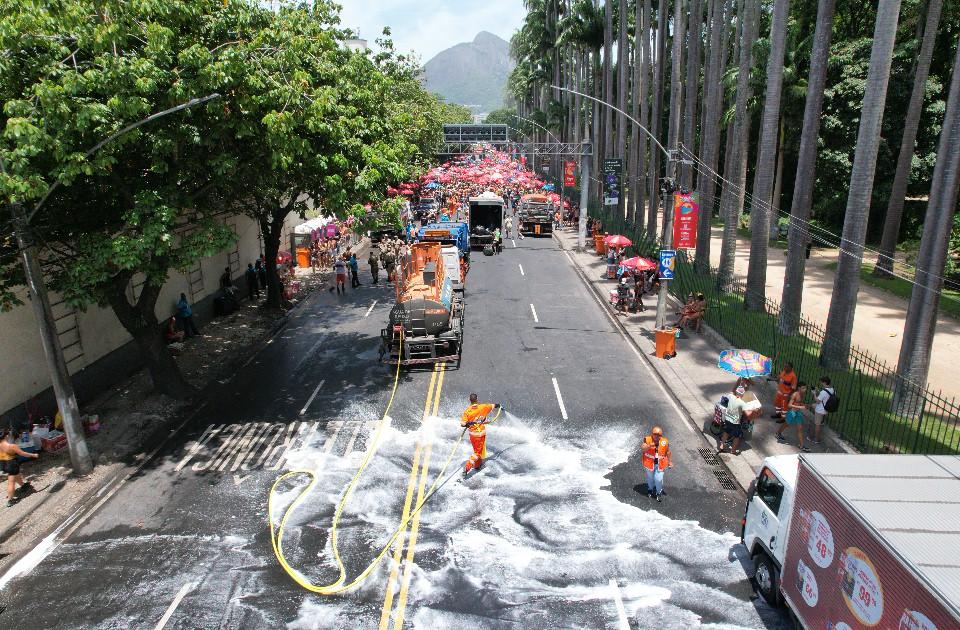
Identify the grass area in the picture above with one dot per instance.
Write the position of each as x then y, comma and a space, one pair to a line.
949, 301
866, 418
744, 232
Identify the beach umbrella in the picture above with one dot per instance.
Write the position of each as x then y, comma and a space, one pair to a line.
745, 363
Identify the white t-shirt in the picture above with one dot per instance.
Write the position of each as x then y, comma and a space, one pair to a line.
822, 397
734, 409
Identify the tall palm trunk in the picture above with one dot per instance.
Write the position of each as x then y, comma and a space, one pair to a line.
632, 157
843, 303
623, 72
761, 209
891, 223
792, 298
710, 133
641, 90
608, 78
693, 89
733, 187
676, 83
920, 326
656, 118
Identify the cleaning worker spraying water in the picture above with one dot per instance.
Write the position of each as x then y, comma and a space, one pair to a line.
475, 420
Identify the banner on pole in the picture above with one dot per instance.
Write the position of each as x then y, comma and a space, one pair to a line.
570, 174
612, 171
686, 210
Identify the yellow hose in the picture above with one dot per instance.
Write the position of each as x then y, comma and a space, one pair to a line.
276, 533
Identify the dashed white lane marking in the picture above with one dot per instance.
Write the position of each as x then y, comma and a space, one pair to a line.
184, 590
312, 396
618, 600
563, 410
521, 269
534, 311
687, 422
514, 242
367, 314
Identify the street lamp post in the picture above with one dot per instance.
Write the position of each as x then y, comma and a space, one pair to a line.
56, 363
666, 188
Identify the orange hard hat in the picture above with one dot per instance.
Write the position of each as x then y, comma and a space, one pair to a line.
656, 431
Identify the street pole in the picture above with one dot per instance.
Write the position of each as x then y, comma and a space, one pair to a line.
666, 189
56, 363
62, 385
584, 193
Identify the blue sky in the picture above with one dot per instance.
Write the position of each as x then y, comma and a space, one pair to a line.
429, 26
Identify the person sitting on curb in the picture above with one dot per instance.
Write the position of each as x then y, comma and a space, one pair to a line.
173, 335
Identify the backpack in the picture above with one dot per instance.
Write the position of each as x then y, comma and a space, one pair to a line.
832, 403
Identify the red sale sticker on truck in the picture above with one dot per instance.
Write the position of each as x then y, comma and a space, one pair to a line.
913, 620
861, 587
820, 541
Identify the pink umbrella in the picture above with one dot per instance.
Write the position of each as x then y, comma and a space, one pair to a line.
638, 264
617, 241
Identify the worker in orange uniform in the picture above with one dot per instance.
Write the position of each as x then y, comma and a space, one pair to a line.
786, 385
656, 459
475, 419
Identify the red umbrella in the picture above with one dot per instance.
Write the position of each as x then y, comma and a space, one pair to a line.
617, 241
638, 264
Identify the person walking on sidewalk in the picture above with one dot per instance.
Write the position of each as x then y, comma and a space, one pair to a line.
820, 407
732, 418
340, 270
374, 267
11, 465
786, 384
656, 459
795, 409
253, 284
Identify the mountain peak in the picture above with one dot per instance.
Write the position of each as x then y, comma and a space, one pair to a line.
471, 73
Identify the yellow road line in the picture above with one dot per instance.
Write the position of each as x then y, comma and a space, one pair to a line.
415, 526
411, 483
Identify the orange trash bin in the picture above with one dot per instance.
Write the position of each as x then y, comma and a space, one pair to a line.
303, 257
598, 243
666, 339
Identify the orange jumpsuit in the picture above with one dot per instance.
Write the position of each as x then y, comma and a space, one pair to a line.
477, 413
785, 386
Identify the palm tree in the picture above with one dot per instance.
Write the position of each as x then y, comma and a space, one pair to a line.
607, 77
843, 303
641, 86
760, 208
920, 326
623, 73
693, 88
710, 130
656, 117
792, 296
891, 223
736, 171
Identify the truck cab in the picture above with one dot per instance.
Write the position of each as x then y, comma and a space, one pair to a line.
486, 215
766, 521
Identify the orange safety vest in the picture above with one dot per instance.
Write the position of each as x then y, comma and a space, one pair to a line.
651, 451
791, 382
477, 413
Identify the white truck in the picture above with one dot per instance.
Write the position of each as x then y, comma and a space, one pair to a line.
858, 541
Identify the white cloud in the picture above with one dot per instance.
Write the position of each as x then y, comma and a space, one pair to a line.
429, 26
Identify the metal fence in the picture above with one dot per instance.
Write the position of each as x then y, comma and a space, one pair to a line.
880, 412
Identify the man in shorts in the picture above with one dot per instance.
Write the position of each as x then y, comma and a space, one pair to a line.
9, 452
795, 418
819, 408
340, 269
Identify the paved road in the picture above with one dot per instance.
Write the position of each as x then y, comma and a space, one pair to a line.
555, 531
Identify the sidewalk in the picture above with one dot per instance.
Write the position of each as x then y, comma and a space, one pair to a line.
135, 419
693, 376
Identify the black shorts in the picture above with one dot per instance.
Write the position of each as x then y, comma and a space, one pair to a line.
11, 467
731, 429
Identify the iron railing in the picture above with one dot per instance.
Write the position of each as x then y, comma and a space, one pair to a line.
880, 411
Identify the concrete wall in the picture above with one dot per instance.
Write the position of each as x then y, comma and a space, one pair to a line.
100, 353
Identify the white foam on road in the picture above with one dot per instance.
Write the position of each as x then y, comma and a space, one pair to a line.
535, 535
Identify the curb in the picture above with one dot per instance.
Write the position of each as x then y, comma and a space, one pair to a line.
743, 480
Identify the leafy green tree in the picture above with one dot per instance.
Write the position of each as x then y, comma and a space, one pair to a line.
455, 114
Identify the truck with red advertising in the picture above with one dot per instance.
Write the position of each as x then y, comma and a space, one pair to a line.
858, 541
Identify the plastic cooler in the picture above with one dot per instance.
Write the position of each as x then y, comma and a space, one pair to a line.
666, 339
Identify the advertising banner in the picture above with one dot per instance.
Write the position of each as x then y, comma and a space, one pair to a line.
668, 259
686, 210
612, 174
841, 577
570, 174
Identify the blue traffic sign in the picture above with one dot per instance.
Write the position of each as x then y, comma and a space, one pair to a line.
668, 258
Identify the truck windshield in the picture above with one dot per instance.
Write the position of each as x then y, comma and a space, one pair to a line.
769, 490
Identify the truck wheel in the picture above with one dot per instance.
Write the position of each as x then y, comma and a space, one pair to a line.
767, 578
